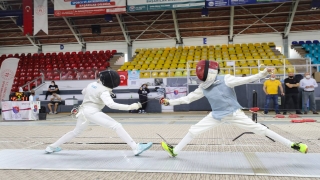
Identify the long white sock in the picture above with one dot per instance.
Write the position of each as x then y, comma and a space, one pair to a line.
65, 138
187, 138
278, 138
126, 137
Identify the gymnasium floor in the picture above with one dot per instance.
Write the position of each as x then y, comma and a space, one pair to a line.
36, 135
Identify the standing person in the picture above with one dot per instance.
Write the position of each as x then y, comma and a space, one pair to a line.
33, 96
143, 97
308, 84
218, 89
270, 87
292, 92
56, 101
52, 88
96, 96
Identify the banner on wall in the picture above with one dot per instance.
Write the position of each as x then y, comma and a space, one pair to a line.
157, 5
123, 78
219, 3
27, 17
20, 110
175, 92
7, 73
133, 77
40, 16
88, 7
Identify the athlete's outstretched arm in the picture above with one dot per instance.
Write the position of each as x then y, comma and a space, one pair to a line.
193, 96
233, 81
108, 101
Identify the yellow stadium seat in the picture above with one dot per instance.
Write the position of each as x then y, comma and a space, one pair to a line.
281, 56
178, 74
174, 65
127, 64
154, 74
137, 50
140, 62
160, 62
149, 58
193, 73
254, 71
263, 54
280, 70
137, 67
271, 44
145, 75
158, 66
147, 62
238, 71
145, 66
143, 59
267, 62
162, 74
245, 71
152, 66
171, 74
133, 63
130, 67
181, 66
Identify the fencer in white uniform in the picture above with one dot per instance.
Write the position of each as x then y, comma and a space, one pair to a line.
219, 91
96, 96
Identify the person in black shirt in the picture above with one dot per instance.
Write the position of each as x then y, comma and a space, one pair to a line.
143, 97
291, 89
52, 88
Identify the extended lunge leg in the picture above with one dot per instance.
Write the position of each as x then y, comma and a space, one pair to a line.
81, 125
106, 121
244, 122
202, 126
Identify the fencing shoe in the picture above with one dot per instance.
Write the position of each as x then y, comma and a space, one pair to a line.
142, 147
169, 149
51, 149
303, 148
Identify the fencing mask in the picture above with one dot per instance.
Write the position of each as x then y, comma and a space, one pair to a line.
207, 71
109, 78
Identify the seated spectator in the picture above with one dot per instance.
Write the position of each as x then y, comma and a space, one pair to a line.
52, 88
33, 96
54, 100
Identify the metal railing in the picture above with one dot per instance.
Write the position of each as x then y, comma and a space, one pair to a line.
35, 81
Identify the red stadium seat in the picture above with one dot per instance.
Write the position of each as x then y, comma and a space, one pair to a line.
30, 78
49, 77
48, 54
92, 76
56, 78
74, 53
41, 54
87, 52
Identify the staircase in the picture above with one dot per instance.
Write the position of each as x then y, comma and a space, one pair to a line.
295, 61
299, 50
113, 60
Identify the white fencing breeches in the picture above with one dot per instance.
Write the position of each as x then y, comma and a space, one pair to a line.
96, 116
239, 119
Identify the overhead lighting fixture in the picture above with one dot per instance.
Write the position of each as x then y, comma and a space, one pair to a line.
108, 17
204, 12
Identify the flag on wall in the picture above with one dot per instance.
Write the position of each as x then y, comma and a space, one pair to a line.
7, 73
40, 16
27, 17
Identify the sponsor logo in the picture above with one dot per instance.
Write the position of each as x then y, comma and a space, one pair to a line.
40, 10
15, 109
7, 74
175, 92
211, 4
132, 8
27, 8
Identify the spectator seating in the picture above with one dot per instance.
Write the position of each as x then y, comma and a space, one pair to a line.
172, 61
313, 51
56, 66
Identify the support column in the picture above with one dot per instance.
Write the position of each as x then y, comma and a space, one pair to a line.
231, 25
129, 51
176, 27
285, 46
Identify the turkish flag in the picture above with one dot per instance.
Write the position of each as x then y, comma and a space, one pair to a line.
123, 78
27, 17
